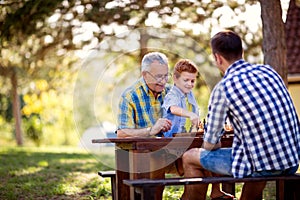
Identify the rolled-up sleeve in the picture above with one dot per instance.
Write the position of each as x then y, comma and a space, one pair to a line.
171, 100
125, 115
217, 112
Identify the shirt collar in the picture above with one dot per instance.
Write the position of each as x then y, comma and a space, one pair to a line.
182, 95
232, 67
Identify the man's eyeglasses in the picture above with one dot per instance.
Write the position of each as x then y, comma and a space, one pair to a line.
160, 77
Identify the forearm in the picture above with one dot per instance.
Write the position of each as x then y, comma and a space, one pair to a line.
131, 132
176, 110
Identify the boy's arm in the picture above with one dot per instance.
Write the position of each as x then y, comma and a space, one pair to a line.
176, 110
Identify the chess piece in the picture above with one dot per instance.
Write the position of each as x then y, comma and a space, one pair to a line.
201, 127
193, 129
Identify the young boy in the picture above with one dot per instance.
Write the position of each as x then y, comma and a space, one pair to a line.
180, 105
181, 108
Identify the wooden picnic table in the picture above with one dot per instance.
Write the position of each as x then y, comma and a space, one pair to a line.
138, 158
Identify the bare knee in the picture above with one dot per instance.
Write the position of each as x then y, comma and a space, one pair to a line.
191, 157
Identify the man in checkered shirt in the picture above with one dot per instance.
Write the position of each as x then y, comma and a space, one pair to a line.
266, 126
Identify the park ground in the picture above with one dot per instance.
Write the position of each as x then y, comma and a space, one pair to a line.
65, 173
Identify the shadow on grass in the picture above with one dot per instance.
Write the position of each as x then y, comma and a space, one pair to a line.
52, 173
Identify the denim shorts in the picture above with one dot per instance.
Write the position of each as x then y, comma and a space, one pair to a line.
219, 161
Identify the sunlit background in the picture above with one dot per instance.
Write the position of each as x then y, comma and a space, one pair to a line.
73, 65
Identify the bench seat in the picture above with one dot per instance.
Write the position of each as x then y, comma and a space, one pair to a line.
287, 187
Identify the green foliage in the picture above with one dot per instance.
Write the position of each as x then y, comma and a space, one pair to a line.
104, 190
33, 129
42, 41
173, 192
22, 17
6, 108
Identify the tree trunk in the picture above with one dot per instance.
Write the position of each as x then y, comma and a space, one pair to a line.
292, 35
274, 44
143, 43
16, 108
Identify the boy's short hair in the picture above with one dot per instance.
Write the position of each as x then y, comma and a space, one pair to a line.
184, 65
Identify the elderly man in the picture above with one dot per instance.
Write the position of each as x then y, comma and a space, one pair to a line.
140, 105
140, 111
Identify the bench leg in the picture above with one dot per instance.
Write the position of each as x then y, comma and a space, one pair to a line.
149, 193
113, 187
229, 188
280, 190
288, 189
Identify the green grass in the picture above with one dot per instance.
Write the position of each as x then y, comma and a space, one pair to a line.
66, 173
51, 173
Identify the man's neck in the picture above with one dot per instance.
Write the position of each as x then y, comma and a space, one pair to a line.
155, 94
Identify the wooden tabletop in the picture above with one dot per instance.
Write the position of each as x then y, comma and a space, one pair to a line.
154, 143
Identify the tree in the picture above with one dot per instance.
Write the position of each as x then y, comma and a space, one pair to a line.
292, 36
39, 38
274, 43
26, 52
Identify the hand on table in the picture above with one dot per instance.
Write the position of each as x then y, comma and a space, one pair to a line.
161, 125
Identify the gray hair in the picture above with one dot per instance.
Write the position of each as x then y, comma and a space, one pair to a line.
149, 58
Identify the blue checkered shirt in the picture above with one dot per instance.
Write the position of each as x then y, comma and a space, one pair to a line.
266, 126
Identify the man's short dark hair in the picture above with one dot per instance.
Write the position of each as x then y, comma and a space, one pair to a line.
228, 44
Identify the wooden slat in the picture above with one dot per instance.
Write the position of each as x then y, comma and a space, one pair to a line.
287, 187
104, 174
186, 181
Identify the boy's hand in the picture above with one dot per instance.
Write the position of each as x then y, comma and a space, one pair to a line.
194, 119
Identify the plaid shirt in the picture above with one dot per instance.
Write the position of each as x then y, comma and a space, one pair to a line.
263, 116
138, 107
176, 97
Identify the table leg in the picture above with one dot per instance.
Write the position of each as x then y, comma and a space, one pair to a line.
158, 168
139, 168
146, 164
122, 172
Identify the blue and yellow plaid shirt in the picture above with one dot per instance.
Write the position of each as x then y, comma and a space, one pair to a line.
138, 107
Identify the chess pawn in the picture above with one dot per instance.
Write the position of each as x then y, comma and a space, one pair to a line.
194, 129
200, 127
226, 126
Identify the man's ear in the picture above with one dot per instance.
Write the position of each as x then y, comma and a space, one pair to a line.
143, 73
219, 59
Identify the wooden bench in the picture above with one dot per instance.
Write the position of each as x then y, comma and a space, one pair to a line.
112, 175
287, 187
